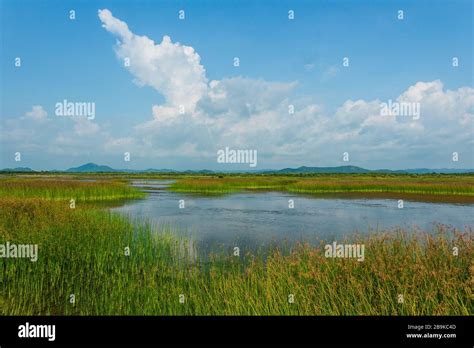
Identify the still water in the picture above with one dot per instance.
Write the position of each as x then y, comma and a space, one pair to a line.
254, 219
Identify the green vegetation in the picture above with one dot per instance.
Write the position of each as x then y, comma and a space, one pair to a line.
66, 189
82, 251
456, 185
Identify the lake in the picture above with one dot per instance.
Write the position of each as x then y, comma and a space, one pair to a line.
253, 219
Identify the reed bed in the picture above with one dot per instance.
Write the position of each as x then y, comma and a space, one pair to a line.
229, 184
460, 185
67, 189
82, 252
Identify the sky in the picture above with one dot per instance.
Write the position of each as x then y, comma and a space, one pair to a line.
308, 90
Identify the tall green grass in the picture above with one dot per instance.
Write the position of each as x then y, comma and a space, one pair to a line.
66, 189
82, 252
229, 184
462, 185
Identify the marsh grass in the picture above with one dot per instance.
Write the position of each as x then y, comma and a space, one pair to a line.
81, 252
61, 189
447, 185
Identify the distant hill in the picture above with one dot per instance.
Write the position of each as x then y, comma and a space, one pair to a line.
91, 168
96, 168
17, 170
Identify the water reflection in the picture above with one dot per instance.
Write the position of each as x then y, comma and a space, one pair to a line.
250, 220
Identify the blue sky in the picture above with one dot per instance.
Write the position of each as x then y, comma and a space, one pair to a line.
298, 61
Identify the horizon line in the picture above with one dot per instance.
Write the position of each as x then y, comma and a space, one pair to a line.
229, 170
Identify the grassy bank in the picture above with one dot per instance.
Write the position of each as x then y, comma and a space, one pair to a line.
66, 189
82, 252
462, 185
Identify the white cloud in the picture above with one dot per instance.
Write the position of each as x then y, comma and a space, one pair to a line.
172, 69
83, 126
250, 113
37, 113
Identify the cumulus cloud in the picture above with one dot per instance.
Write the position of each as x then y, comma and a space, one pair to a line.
37, 113
249, 113
199, 117
173, 69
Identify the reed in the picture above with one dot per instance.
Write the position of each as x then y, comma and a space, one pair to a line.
66, 189
229, 184
82, 252
453, 185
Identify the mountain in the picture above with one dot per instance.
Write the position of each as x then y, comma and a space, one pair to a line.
91, 168
17, 170
95, 168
